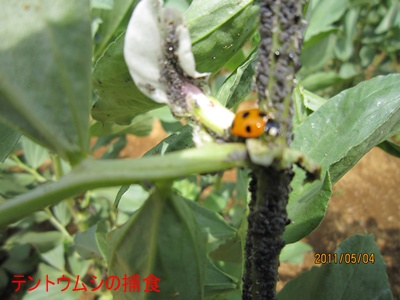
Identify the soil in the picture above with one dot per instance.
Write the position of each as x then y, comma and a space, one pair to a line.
365, 201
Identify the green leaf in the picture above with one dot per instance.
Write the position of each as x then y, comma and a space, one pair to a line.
62, 212
344, 44
188, 187
45, 73
300, 110
320, 80
85, 243
78, 265
341, 131
218, 282
294, 253
162, 239
101, 237
115, 148
204, 17
42, 241
348, 71
312, 101
234, 295
219, 29
111, 21
307, 205
230, 251
390, 148
231, 26
103, 141
315, 55
50, 291
238, 85
179, 140
34, 154
337, 135
139, 126
133, 198
323, 15
3, 280
20, 260
348, 279
9, 139
102, 4
389, 21
12, 184
37, 217
163, 114
119, 98
305, 102
242, 184
55, 257
218, 199
169, 123
211, 223
367, 55
120, 193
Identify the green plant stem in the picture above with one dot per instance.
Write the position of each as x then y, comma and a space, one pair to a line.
91, 174
58, 225
58, 172
57, 166
28, 169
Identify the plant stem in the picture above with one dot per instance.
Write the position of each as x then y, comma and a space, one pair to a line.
58, 171
280, 32
28, 169
58, 225
267, 221
91, 174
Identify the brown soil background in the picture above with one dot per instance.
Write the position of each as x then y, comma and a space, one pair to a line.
365, 201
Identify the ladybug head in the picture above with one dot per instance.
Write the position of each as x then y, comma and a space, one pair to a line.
272, 128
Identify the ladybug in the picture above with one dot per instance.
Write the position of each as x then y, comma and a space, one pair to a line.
253, 123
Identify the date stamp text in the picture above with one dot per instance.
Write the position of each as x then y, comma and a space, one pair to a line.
344, 258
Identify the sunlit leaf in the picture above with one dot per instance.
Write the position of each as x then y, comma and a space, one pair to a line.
347, 126
337, 135
219, 29
238, 85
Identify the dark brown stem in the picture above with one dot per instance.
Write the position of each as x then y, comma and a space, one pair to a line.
267, 220
281, 38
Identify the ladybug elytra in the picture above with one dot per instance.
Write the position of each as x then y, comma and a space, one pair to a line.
253, 123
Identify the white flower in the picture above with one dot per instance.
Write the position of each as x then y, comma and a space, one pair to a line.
145, 48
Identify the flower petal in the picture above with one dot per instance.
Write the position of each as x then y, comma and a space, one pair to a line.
143, 51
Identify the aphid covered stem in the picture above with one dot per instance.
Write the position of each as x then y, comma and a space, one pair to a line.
280, 31
281, 38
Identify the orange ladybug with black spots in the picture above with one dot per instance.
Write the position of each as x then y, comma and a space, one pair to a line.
253, 123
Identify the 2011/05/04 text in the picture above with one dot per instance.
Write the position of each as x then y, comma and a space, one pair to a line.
344, 258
